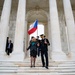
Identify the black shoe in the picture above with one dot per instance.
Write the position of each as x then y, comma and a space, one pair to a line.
31, 66
8, 54
43, 66
46, 67
34, 66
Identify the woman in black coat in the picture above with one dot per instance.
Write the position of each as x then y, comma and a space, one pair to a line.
33, 51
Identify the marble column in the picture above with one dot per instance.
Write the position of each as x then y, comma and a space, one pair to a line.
20, 26
57, 53
70, 24
55, 28
25, 40
49, 37
4, 23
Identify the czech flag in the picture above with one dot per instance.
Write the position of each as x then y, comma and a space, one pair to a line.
33, 28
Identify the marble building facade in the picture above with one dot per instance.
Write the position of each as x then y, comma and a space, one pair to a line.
57, 16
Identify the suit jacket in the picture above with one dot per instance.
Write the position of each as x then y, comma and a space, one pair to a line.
44, 47
11, 47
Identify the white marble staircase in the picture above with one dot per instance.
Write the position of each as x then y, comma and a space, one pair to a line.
13, 65
23, 68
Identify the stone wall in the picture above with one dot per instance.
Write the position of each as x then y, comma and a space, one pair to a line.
12, 24
11, 30
74, 15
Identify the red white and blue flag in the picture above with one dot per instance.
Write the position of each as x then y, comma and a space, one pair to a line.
33, 28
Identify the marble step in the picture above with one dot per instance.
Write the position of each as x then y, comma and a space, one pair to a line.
22, 68
28, 61
38, 70
37, 65
53, 62
37, 74
14, 68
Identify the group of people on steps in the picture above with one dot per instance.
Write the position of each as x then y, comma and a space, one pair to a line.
36, 47
39, 47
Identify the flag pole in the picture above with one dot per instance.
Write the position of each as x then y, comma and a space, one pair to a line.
37, 30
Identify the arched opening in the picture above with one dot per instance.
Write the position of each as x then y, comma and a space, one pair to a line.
42, 17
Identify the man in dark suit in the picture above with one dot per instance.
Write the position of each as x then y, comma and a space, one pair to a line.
7, 41
9, 47
44, 50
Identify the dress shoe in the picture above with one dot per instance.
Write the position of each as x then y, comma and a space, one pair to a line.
46, 67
